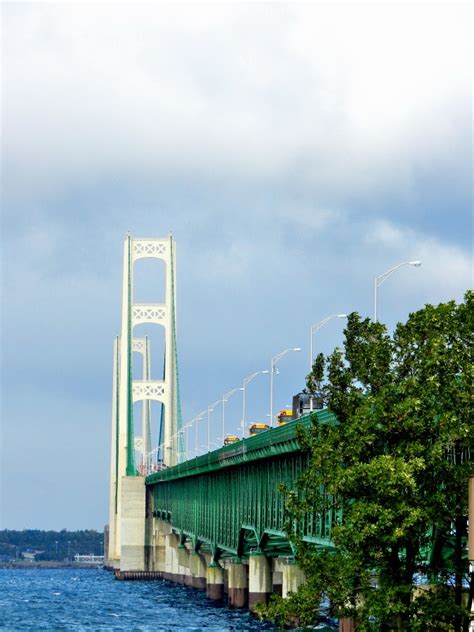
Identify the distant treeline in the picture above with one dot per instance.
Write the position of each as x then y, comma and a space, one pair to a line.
54, 545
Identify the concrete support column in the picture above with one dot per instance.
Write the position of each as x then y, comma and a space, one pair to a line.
159, 552
215, 582
149, 532
277, 575
260, 579
293, 577
238, 585
197, 566
277, 583
183, 555
132, 524
183, 565
171, 558
160, 530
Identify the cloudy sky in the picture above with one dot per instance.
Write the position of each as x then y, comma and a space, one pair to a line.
294, 150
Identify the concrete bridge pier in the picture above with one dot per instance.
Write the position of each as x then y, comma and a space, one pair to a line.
132, 524
260, 579
158, 548
161, 530
293, 577
197, 567
171, 572
238, 586
183, 563
277, 576
215, 582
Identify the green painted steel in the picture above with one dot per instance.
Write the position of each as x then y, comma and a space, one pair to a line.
228, 502
271, 443
130, 470
179, 419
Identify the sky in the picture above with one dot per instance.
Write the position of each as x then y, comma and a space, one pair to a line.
294, 150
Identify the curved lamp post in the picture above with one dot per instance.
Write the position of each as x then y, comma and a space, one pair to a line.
383, 277
246, 381
314, 328
198, 417
276, 358
209, 411
225, 398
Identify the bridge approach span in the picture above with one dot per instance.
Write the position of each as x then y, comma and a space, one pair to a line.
226, 503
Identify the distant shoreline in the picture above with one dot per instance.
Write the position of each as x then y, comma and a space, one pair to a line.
46, 564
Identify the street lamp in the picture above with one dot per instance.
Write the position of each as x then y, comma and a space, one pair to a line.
196, 419
225, 398
186, 444
383, 277
178, 441
314, 328
276, 358
246, 381
209, 411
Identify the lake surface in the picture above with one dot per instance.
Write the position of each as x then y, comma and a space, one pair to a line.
91, 599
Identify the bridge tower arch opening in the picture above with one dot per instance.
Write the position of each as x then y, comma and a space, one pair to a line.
127, 389
149, 414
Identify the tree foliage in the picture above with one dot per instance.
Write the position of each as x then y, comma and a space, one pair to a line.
396, 468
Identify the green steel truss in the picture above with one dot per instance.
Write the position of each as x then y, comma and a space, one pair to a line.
227, 501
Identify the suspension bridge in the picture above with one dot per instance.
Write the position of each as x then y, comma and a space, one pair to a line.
214, 521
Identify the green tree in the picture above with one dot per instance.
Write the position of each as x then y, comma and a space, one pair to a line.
56, 545
396, 466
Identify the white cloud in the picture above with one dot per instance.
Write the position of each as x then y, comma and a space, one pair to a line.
348, 96
385, 233
447, 269
266, 137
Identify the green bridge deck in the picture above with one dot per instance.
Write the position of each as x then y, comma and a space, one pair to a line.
227, 501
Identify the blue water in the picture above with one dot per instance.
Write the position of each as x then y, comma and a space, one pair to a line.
89, 599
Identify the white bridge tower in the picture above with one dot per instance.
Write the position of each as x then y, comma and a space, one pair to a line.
127, 390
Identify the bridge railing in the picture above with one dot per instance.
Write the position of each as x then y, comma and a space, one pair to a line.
228, 499
272, 442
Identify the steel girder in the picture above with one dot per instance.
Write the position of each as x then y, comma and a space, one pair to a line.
228, 500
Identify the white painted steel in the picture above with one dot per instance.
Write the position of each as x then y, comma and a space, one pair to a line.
314, 328
247, 381
225, 398
378, 280
276, 358
146, 389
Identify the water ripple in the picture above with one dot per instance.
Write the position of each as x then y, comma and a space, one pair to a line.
92, 600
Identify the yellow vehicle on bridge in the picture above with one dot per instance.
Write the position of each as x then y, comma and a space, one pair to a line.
284, 417
256, 429
231, 439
